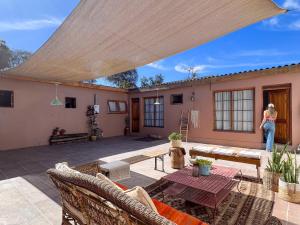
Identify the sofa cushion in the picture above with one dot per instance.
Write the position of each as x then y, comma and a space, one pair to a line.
203, 148
250, 154
64, 166
103, 177
138, 193
223, 151
176, 216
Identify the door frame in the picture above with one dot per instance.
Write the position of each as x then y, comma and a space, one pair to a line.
139, 112
287, 86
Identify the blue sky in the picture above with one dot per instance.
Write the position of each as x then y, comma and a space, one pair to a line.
28, 24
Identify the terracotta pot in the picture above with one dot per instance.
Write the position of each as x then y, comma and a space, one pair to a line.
176, 143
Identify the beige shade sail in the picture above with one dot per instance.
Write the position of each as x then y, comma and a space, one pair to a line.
105, 37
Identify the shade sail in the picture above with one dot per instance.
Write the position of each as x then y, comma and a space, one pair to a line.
104, 37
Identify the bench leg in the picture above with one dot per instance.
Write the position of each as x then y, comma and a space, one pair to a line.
162, 158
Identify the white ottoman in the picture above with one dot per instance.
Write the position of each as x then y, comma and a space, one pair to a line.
116, 170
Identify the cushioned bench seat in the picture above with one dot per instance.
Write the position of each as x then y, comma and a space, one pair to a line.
234, 155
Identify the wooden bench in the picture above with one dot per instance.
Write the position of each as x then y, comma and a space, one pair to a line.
235, 157
67, 138
158, 154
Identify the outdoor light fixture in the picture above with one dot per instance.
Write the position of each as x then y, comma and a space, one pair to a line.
56, 101
157, 98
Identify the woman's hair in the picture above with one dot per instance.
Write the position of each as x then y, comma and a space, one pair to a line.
271, 109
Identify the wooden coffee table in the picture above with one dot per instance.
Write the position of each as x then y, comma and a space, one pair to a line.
208, 191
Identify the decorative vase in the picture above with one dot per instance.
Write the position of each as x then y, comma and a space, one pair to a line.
176, 143
271, 180
204, 170
289, 191
195, 171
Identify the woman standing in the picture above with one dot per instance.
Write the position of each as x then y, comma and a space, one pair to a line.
268, 123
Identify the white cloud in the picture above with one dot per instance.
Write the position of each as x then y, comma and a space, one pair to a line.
295, 25
262, 52
273, 22
29, 24
157, 65
183, 68
292, 4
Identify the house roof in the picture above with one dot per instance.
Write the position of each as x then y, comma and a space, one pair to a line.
101, 38
225, 77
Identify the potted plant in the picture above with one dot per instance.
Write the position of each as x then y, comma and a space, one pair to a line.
273, 170
62, 132
94, 130
289, 187
175, 140
55, 131
204, 166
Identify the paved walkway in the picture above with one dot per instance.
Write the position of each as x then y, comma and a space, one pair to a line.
27, 196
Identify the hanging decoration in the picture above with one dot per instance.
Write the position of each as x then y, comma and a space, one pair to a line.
56, 101
157, 98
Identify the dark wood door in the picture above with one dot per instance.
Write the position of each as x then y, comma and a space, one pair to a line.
281, 99
135, 115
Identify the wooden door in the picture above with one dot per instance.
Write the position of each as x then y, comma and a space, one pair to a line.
135, 115
281, 99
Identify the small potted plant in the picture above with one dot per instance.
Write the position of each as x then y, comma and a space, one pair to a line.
62, 132
175, 140
55, 131
204, 166
273, 170
289, 187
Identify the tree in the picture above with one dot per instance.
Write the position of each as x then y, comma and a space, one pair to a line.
10, 58
152, 81
127, 79
4, 55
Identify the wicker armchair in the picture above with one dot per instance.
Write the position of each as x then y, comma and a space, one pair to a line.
87, 200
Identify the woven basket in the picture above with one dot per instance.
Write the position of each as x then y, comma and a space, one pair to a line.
289, 192
271, 180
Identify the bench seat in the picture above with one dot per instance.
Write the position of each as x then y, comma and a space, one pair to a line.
234, 155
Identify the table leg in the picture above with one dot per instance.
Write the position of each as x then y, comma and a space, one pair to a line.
258, 173
240, 180
155, 165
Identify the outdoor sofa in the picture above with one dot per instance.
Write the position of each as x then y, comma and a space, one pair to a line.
89, 200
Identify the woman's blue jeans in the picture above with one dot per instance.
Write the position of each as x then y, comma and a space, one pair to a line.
269, 128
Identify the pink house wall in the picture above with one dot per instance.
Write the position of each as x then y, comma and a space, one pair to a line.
204, 103
31, 120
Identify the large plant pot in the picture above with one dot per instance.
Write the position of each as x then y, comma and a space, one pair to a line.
271, 180
204, 170
177, 157
288, 191
176, 143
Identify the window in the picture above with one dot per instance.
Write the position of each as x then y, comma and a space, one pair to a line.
153, 114
70, 102
177, 99
6, 98
234, 110
117, 106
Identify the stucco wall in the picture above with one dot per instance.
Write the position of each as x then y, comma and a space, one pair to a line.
31, 120
204, 103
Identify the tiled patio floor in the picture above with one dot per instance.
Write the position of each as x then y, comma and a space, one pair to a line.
27, 196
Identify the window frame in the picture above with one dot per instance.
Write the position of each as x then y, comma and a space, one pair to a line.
154, 97
171, 99
232, 111
66, 102
117, 107
12, 95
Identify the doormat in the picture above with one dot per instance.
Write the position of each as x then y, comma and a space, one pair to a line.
147, 139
